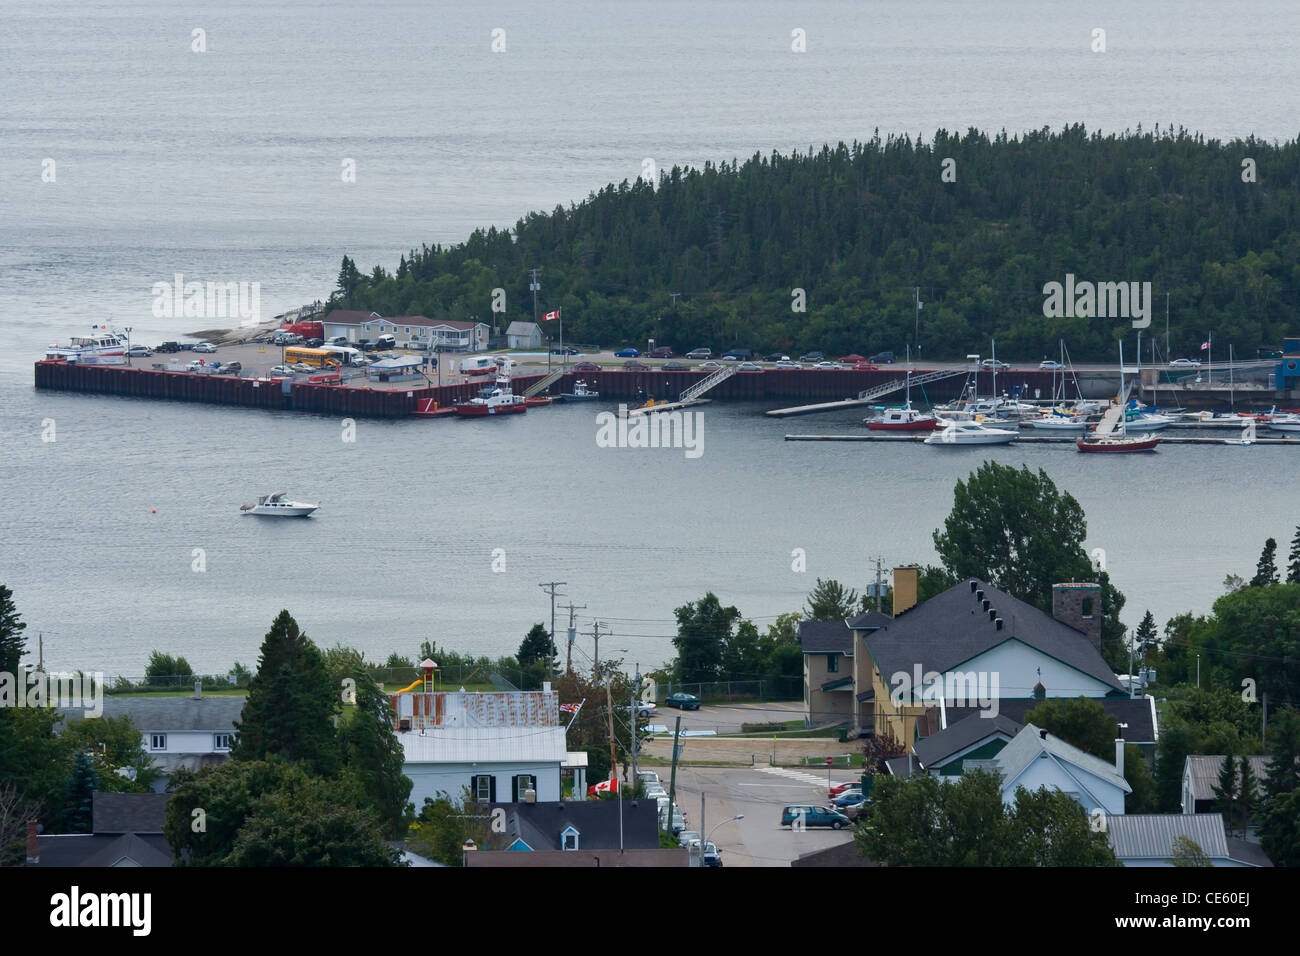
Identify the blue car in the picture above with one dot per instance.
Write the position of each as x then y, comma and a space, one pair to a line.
627, 353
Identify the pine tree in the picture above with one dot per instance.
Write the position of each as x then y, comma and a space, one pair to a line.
77, 808
1226, 791
831, 601
537, 647
372, 752
291, 703
1293, 568
12, 643
1248, 794
1147, 637
1266, 570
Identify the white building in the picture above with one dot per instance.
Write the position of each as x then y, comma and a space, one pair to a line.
191, 732
523, 335
409, 331
1035, 759
499, 745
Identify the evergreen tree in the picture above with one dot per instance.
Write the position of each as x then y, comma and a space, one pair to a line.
291, 703
1266, 570
1279, 831
372, 752
1082, 722
1247, 794
1147, 638
537, 647
12, 643
703, 630
1293, 567
831, 601
78, 804
1226, 793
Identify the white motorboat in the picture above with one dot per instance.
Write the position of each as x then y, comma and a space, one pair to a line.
1055, 422
969, 433
275, 506
103, 347
1147, 421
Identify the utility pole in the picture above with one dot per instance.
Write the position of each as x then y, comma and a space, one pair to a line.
1167, 356
672, 785
535, 287
568, 654
636, 699
549, 587
878, 560
595, 636
1131, 693
916, 295
613, 761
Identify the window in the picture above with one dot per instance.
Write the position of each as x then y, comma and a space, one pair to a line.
408, 330
221, 741
1086, 609
367, 326
484, 787
157, 741
832, 663
569, 839
522, 784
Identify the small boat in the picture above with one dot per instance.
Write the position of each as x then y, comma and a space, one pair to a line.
904, 419
104, 347
1147, 421
1117, 443
1055, 422
275, 506
580, 393
970, 433
538, 401
495, 399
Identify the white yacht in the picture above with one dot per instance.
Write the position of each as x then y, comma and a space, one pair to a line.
969, 433
275, 506
103, 347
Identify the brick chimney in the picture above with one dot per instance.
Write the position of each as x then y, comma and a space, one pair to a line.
33, 843
907, 583
1079, 606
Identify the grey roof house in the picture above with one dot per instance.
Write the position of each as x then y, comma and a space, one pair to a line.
126, 830
1147, 839
192, 732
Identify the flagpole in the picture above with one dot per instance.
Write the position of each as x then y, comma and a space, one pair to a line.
564, 356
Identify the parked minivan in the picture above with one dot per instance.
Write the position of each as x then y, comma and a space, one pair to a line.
338, 340
700, 354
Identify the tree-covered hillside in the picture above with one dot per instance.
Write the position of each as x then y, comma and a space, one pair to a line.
859, 227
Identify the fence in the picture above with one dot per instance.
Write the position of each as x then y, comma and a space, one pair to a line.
778, 688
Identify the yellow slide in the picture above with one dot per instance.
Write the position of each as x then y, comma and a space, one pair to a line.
418, 681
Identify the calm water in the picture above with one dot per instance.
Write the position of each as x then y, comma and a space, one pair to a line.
225, 166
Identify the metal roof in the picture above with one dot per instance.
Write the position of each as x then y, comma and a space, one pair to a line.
484, 745
1148, 835
1204, 772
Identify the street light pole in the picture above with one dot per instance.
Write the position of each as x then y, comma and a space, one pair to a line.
705, 841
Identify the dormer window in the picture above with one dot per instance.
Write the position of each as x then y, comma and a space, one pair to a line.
569, 838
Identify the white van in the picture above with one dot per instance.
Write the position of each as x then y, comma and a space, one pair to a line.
483, 365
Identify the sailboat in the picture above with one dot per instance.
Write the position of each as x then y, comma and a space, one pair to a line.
1105, 440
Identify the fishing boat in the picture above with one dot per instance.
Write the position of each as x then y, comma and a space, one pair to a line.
103, 347
904, 418
970, 433
495, 399
274, 506
1120, 443
580, 393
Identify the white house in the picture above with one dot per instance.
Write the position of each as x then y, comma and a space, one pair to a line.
191, 732
409, 331
499, 745
1034, 758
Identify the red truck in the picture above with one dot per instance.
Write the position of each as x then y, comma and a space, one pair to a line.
308, 330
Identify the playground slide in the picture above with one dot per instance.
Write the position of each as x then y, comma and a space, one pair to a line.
418, 681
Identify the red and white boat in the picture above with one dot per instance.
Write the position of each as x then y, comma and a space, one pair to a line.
904, 419
1117, 444
495, 399
103, 347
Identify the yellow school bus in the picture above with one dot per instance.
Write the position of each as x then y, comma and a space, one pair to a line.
320, 358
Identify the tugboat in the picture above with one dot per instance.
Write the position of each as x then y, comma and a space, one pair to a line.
580, 393
495, 399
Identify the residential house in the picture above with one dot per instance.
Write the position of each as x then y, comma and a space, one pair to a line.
524, 335
499, 745
579, 825
1201, 776
827, 672
191, 732
974, 737
1034, 759
1147, 839
126, 830
409, 331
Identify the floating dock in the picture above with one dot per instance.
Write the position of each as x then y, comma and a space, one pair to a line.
1046, 440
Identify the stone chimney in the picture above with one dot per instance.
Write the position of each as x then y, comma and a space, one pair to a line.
33, 843
907, 582
1079, 606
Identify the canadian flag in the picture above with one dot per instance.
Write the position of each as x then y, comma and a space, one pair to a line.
551, 315
605, 786
1205, 346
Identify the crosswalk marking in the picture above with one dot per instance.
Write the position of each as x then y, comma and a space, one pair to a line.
800, 775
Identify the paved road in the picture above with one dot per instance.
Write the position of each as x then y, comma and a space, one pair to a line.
760, 793
727, 719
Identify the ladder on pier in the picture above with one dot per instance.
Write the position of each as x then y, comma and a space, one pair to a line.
706, 383
542, 384
899, 384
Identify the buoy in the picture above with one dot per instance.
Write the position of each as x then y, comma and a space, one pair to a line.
153, 511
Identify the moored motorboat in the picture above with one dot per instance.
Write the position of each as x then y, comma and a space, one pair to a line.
276, 507
580, 393
903, 419
537, 401
103, 347
969, 433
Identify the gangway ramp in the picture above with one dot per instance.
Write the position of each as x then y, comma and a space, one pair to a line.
689, 395
543, 383
1115, 414
869, 395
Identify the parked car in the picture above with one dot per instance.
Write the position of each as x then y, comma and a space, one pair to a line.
749, 367
711, 856
644, 709
338, 340
195, 366
662, 352
674, 367
586, 367
778, 357
786, 363
1185, 363
840, 788
738, 355
205, 347
315, 343
852, 359
812, 357
710, 366
566, 350
994, 364
731, 357
303, 367
810, 816
700, 354
828, 365
139, 351
1049, 365
626, 353
858, 810
386, 341
282, 370
230, 368
882, 358
684, 701
654, 791
849, 798
168, 347
647, 777
687, 837
632, 365
865, 367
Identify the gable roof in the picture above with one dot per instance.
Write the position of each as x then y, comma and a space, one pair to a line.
355, 317
1148, 835
959, 736
539, 825
86, 849
522, 328
868, 620
1137, 714
1203, 770
1032, 742
952, 627
162, 714
128, 812
825, 637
